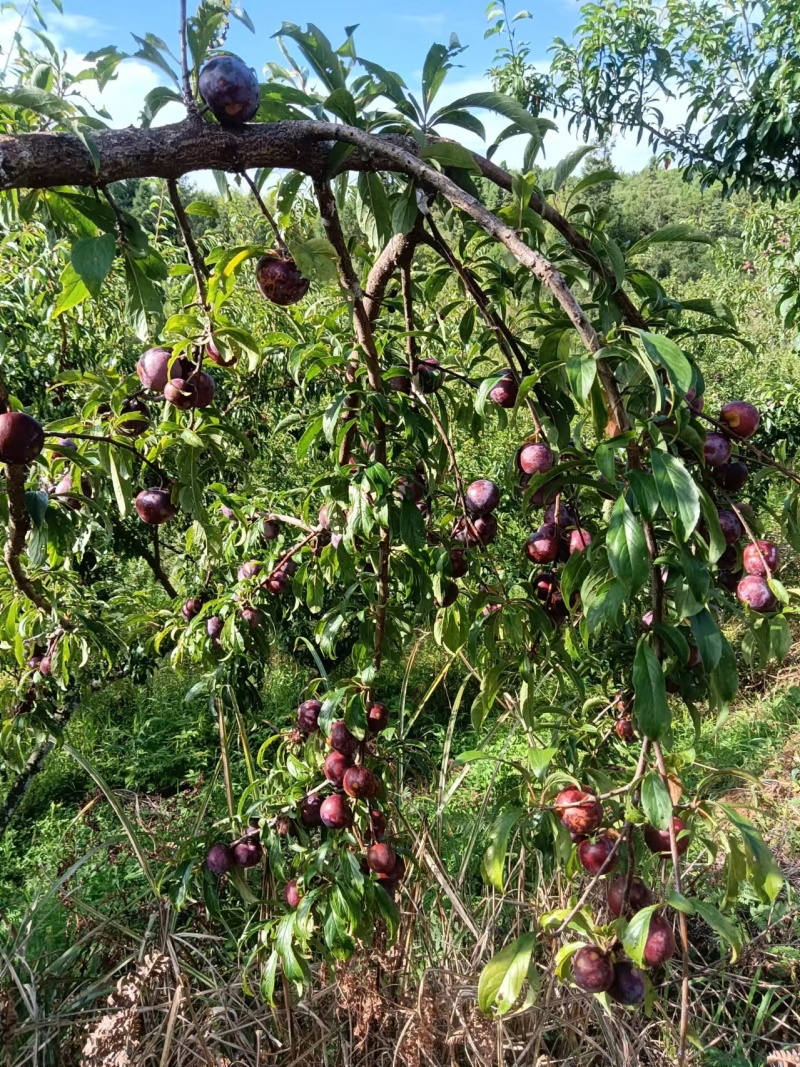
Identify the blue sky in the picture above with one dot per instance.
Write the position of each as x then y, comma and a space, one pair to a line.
396, 35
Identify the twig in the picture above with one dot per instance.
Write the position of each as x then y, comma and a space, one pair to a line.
188, 99
295, 548
266, 213
117, 444
408, 315
196, 261
18, 526
676, 867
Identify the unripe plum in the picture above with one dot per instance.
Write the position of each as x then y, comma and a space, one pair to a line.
628, 985
753, 591
535, 458
360, 783
154, 506
291, 894
334, 767
505, 392
341, 739
658, 840
335, 813
542, 546
230, 89
592, 970
640, 895
308, 716
592, 855
482, 497
762, 559
660, 944
716, 450
279, 279
740, 418
377, 717
579, 810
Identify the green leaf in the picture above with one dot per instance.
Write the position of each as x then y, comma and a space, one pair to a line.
768, 878
377, 210
650, 699
73, 291
656, 803
509, 108
405, 211
723, 680
450, 155
501, 979
201, 208
567, 165
635, 937
677, 492
315, 258
679, 231
727, 931
581, 375
663, 351
707, 637
627, 550
92, 258
494, 859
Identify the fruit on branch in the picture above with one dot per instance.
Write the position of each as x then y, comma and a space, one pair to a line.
134, 427
449, 595
21, 437
474, 532
716, 449
252, 616
624, 730
277, 583
335, 766
341, 740
560, 514
204, 389
753, 591
45, 667
458, 563
658, 840
335, 813
377, 717
412, 487
215, 356
219, 858
377, 824
229, 513
153, 369
592, 970
248, 570
270, 529
729, 560
695, 659
248, 853
279, 279
430, 374
400, 384
660, 944
283, 826
542, 546
535, 458
397, 873
579, 540
154, 506
730, 525
695, 402
579, 810
309, 810
230, 89
65, 489
762, 558
628, 986
740, 418
548, 592
214, 627
505, 392
382, 858
482, 497
640, 896
731, 476
308, 716
593, 854
360, 783
62, 445
291, 894
181, 393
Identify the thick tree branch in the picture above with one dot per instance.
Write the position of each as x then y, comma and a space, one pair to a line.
397, 254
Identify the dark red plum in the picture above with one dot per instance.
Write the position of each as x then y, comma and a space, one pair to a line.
214, 627
248, 853
270, 529
482, 497
658, 840
579, 540
341, 739
279, 279
628, 986
730, 525
579, 810
138, 417
309, 810
153, 369
716, 450
335, 813
592, 970
458, 563
154, 506
640, 895
377, 717
753, 591
449, 595
542, 546
308, 716
360, 783
181, 393
248, 570
204, 390
230, 90
505, 392
291, 894
740, 418
335, 766
535, 458
191, 607
660, 944
431, 376
731, 476
592, 855
21, 438
382, 858
764, 560
219, 859
624, 730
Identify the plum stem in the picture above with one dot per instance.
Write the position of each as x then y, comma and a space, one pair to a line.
267, 214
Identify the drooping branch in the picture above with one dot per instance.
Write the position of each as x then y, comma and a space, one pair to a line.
196, 261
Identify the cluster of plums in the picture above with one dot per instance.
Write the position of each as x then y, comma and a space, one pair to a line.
760, 560
350, 781
593, 969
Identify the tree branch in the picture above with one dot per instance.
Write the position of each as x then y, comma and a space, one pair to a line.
196, 261
18, 526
